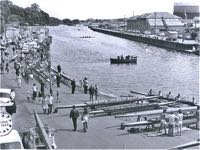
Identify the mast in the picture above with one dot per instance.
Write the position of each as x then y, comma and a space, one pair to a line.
155, 21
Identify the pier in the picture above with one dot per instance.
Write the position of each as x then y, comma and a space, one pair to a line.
153, 40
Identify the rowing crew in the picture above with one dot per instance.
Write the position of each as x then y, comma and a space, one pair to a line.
171, 121
169, 96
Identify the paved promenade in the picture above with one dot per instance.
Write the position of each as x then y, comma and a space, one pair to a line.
103, 132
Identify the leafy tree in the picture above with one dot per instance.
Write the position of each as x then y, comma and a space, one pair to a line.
67, 22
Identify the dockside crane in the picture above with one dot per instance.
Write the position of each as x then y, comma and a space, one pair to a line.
171, 35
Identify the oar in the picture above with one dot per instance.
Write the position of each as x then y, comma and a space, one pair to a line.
138, 93
127, 96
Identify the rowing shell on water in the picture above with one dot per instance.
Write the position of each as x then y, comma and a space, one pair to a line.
169, 99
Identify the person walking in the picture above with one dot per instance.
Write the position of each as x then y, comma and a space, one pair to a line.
50, 104
74, 114
96, 92
85, 85
85, 119
73, 84
42, 88
57, 95
58, 80
34, 92
7, 67
91, 92
19, 81
179, 122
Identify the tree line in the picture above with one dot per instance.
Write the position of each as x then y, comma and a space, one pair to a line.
29, 16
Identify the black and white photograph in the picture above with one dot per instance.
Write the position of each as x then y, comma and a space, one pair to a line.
99, 74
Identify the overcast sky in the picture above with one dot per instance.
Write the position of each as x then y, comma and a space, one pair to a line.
101, 9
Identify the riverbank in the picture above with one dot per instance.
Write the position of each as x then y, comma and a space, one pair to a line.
179, 45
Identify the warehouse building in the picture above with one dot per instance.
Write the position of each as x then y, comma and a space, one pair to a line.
154, 22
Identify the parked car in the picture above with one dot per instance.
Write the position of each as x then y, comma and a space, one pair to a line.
6, 102
11, 141
5, 97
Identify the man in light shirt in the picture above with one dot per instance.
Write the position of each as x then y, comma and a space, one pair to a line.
179, 122
171, 124
50, 104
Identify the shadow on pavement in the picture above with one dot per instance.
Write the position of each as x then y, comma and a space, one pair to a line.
68, 130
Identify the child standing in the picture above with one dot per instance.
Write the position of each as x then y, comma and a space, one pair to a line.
85, 119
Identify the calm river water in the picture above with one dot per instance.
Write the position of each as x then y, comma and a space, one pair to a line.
157, 68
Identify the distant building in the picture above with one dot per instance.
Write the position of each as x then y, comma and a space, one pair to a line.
154, 22
186, 10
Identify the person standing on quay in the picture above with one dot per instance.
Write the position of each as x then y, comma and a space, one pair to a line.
34, 91
40, 97
74, 114
96, 92
171, 123
73, 84
91, 91
85, 85
45, 104
163, 123
59, 68
198, 117
179, 122
50, 104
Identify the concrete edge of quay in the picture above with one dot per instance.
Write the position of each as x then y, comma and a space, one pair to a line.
170, 45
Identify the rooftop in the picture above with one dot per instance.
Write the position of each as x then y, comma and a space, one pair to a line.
154, 15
